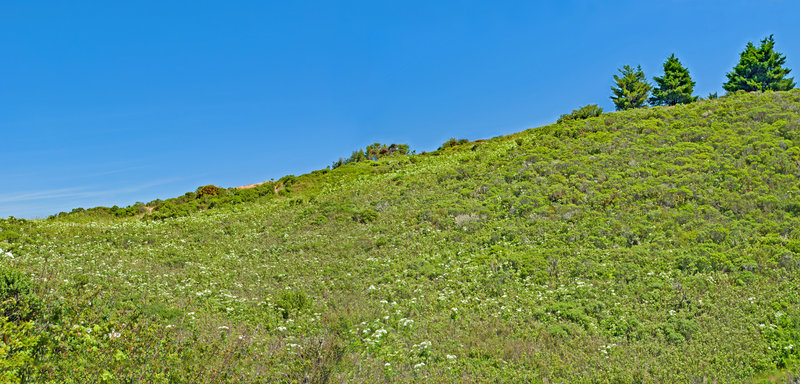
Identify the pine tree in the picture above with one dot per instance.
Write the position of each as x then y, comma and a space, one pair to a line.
632, 88
675, 87
760, 69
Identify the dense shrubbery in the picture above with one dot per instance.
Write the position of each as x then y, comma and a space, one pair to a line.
207, 190
366, 215
22, 342
377, 150
105, 212
585, 112
452, 143
11, 229
291, 302
372, 152
205, 197
653, 245
18, 301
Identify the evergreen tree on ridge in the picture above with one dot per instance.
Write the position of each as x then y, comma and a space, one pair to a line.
675, 87
760, 69
632, 88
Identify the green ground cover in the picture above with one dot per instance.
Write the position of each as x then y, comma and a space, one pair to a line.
652, 245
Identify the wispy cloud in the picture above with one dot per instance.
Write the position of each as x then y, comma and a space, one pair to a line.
40, 195
113, 171
80, 192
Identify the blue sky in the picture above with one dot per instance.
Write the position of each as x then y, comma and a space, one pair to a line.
105, 103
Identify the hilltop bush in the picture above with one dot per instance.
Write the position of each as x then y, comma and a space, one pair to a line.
453, 142
372, 152
378, 150
207, 190
585, 112
355, 157
288, 180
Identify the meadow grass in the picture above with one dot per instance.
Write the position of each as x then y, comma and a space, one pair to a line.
654, 245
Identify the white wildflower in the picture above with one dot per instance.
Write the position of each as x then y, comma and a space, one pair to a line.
379, 333
423, 345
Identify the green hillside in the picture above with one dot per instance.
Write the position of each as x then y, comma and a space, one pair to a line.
653, 245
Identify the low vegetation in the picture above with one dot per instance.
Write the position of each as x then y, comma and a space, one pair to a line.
372, 152
651, 245
585, 112
453, 142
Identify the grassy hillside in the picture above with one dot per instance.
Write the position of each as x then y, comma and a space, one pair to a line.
655, 245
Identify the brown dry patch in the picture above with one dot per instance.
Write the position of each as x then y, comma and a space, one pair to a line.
248, 186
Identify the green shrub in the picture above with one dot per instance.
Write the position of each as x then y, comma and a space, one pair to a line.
9, 236
292, 301
22, 342
18, 301
453, 142
367, 215
207, 190
287, 180
10, 229
373, 151
558, 331
585, 112
265, 189
678, 330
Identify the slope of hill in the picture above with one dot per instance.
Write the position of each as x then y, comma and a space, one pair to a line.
654, 245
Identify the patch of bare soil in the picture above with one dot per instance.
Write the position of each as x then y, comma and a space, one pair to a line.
248, 186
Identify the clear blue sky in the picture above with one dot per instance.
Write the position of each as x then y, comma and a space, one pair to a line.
111, 102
